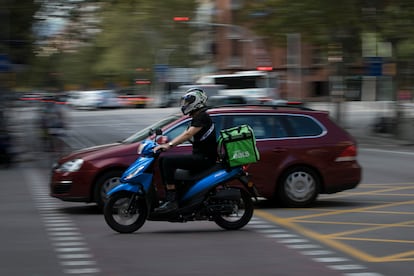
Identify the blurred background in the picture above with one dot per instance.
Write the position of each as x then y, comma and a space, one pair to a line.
334, 52
62, 60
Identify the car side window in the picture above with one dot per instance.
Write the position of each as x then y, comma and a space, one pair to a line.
303, 126
218, 124
177, 130
257, 123
275, 126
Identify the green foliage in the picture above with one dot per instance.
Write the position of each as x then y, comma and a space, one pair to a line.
324, 21
406, 50
134, 32
16, 37
316, 20
396, 22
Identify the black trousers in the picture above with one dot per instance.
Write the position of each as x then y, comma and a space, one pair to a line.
194, 162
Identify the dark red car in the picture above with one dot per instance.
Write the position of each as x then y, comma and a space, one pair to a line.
303, 153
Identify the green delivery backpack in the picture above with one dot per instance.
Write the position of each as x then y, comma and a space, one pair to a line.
237, 146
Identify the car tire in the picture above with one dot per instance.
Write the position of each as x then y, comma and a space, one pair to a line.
103, 184
298, 187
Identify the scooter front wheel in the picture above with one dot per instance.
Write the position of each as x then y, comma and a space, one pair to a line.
241, 215
124, 212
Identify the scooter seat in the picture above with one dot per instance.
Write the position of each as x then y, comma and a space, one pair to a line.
187, 175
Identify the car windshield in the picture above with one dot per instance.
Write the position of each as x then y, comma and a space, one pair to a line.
144, 133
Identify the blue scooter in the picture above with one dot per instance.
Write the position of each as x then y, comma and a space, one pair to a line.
211, 195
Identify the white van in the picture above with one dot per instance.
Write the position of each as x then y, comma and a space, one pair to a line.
249, 84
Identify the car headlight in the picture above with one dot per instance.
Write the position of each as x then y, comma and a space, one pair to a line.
71, 166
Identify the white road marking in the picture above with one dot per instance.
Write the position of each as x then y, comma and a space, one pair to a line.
65, 236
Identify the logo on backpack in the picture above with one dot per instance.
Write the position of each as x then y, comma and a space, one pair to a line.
240, 154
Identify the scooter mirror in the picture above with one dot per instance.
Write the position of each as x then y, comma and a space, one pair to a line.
158, 131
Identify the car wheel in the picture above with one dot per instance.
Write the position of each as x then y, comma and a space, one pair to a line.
105, 183
298, 187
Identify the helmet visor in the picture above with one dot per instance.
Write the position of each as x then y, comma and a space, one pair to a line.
188, 99
187, 103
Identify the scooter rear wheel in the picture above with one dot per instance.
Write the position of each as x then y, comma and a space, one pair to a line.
124, 213
243, 212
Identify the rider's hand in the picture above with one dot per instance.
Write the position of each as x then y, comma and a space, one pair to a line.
162, 147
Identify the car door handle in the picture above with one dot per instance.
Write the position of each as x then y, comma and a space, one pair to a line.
279, 150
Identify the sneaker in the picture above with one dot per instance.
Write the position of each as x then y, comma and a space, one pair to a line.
167, 207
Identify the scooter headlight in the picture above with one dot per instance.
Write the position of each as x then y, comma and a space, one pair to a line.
146, 148
141, 148
71, 166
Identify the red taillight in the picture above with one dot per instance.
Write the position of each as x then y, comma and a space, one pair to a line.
348, 154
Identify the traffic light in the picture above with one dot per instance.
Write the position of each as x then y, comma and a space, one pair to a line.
264, 68
181, 18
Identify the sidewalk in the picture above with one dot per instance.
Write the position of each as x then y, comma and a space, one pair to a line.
358, 119
367, 138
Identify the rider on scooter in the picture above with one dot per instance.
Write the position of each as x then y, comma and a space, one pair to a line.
204, 154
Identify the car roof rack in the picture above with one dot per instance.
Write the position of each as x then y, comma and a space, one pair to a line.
273, 106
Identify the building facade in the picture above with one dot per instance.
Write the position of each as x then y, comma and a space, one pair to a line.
305, 72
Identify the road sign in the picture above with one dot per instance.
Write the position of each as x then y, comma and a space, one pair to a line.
5, 65
161, 71
374, 66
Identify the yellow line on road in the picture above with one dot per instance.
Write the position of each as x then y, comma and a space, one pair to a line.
389, 212
385, 184
355, 210
334, 243
371, 192
373, 240
306, 232
347, 223
399, 257
368, 229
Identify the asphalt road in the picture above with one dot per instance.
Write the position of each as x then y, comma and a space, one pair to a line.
366, 231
